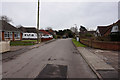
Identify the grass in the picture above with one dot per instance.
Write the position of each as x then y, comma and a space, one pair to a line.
22, 43
78, 44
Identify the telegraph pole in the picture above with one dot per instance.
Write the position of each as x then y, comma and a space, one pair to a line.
38, 23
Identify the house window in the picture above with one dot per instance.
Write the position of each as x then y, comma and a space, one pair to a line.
17, 34
8, 34
114, 29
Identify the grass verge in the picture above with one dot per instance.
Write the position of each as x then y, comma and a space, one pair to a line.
78, 44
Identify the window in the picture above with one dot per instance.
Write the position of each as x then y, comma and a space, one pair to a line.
114, 29
17, 34
8, 34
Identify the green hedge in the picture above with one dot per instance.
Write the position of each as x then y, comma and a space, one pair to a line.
21, 43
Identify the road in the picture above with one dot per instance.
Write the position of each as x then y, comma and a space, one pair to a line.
60, 58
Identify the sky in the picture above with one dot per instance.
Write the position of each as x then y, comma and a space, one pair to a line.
61, 15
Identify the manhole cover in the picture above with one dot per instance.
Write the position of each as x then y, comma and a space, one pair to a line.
53, 71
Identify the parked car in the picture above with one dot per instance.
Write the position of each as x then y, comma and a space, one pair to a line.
47, 36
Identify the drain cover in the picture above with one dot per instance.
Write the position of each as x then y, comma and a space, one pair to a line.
53, 71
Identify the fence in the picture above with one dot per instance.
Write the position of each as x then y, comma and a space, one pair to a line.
101, 44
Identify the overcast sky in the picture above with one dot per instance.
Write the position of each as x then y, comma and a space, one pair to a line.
61, 15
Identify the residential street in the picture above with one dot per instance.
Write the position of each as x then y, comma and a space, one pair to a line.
66, 59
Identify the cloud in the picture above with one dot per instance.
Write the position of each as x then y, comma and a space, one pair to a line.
60, 15
90, 14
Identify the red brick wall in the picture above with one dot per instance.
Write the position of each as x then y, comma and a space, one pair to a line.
46, 39
20, 36
102, 44
3, 36
13, 37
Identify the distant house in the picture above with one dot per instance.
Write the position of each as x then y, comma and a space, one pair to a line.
82, 29
107, 30
29, 32
85, 32
45, 34
9, 32
51, 32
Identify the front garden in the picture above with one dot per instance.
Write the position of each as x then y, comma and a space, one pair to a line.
23, 43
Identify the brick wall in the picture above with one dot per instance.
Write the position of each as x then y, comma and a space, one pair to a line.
46, 39
102, 44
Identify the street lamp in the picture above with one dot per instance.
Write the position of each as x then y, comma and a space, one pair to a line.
38, 24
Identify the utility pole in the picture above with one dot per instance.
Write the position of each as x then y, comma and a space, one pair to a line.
38, 24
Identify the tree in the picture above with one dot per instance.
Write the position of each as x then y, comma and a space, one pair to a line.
49, 28
18, 26
74, 30
5, 18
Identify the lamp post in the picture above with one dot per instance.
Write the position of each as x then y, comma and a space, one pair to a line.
38, 24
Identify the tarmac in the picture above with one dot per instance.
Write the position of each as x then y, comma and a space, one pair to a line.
15, 51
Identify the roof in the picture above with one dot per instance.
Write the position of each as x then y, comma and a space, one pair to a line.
105, 30
118, 23
28, 29
4, 26
82, 29
43, 31
102, 29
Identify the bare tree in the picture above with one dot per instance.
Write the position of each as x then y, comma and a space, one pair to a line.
5, 18
49, 28
18, 26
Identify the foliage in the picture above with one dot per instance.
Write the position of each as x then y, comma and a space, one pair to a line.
48, 28
88, 35
103, 38
23, 43
5, 18
115, 36
78, 44
68, 33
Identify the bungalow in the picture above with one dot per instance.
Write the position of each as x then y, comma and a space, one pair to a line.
107, 30
45, 34
9, 32
29, 32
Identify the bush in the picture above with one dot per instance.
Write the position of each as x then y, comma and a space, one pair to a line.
115, 36
21, 43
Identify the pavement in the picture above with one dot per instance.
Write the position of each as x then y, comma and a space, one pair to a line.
59, 59
98, 65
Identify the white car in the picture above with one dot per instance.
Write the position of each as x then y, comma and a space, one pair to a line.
47, 36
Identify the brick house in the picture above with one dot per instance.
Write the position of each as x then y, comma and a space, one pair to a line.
9, 32
107, 30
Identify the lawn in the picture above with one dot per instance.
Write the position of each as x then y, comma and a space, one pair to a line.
78, 44
23, 43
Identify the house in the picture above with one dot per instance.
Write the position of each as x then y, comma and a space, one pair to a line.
82, 29
45, 34
9, 32
85, 33
101, 30
107, 30
29, 32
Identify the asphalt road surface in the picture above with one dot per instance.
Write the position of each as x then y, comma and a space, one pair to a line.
58, 59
